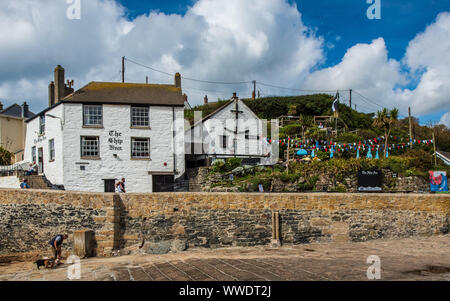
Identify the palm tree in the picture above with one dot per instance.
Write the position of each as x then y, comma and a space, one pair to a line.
385, 119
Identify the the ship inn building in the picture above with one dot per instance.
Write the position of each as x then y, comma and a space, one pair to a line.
104, 132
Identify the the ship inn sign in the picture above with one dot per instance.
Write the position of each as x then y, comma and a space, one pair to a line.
115, 141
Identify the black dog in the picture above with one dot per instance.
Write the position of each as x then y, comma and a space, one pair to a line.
46, 263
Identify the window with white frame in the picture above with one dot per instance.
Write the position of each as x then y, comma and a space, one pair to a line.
140, 116
92, 115
33, 154
41, 124
90, 147
51, 149
140, 148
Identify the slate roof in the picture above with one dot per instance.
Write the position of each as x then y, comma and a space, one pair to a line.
15, 110
127, 93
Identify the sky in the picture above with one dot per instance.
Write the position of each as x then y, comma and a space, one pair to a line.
303, 46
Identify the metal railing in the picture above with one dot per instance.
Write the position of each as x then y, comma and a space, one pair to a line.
18, 169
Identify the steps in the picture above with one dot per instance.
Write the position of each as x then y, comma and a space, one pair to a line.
38, 182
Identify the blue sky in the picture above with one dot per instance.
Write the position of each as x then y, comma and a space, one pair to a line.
345, 20
399, 61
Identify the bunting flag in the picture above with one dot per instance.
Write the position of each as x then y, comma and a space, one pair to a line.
369, 154
387, 154
357, 153
377, 156
313, 154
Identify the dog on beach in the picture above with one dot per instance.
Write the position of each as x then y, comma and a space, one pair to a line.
46, 263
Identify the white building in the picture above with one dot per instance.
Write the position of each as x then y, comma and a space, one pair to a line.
233, 130
108, 131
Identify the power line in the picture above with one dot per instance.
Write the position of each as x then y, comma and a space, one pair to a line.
294, 89
187, 78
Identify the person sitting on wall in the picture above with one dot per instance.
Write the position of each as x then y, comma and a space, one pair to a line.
56, 244
24, 184
32, 169
120, 186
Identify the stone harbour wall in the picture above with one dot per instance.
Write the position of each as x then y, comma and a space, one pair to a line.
163, 222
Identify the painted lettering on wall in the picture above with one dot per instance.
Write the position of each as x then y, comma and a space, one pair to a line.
40, 139
115, 141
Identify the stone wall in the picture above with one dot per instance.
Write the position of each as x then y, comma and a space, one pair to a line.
215, 219
201, 179
30, 218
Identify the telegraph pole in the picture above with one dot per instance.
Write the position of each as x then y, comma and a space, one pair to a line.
254, 90
123, 69
410, 128
351, 99
434, 146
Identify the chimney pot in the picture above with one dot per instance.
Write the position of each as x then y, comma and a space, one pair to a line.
25, 110
178, 80
206, 99
51, 94
59, 84
234, 95
1, 106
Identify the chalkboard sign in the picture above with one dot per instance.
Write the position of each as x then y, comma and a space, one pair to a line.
369, 180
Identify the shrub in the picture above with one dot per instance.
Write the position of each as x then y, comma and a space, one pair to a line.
348, 138
232, 163
292, 177
309, 185
218, 166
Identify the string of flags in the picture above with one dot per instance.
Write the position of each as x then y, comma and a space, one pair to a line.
371, 145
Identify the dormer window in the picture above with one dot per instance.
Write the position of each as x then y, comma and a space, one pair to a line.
92, 115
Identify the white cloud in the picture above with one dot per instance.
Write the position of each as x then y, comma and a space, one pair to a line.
445, 119
221, 40
215, 40
367, 69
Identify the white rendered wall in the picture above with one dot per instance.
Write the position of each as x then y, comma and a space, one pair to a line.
116, 119
224, 123
53, 170
10, 182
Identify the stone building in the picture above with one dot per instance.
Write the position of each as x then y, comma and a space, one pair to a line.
89, 139
233, 130
13, 129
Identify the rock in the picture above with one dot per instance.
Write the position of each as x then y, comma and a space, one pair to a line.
165, 246
178, 246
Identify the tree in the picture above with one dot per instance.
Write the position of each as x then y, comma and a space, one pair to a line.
306, 122
385, 119
5, 156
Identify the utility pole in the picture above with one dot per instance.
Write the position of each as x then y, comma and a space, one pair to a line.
410, 128
288, 149
146, 80
355, 107
254, 90
123, 69
434, 146
351, 99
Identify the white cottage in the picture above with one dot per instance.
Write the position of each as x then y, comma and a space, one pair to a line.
108, 131
233, 130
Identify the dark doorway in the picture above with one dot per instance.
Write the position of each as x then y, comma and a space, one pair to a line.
110, 185
163, 183
41, 160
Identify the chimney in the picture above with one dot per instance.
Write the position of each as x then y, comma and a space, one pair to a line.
51, 94
178, 80
1, 106
59, 84
206, 99
234, 96
25, 110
